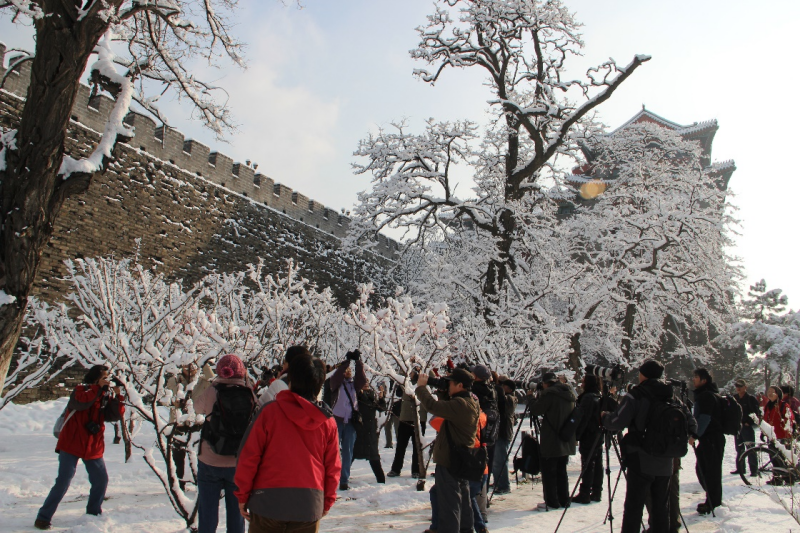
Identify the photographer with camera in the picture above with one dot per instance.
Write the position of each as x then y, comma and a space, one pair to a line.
555, 403
345, 409
638, 411
82, 437
681, 397
508, 420
405, 433
459, 430
182, 393
588, 434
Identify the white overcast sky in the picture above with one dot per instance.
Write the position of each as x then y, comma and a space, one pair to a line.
321, 77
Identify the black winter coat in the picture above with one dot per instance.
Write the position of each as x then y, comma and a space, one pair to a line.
632, 413
366, 446
707, 410
508, 417
589, 426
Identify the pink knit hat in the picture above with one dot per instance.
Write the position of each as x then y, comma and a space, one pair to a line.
230, 366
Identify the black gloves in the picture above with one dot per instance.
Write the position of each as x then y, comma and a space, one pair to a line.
354, 355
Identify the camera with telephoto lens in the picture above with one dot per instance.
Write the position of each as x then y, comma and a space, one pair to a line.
602, 372
438, 383
678, 383
534, 385
117, 382
353, 355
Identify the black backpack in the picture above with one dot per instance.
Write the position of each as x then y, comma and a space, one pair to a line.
466, 462
489, 406
528, 461
230, 417
731, 414
666, 431
492, 430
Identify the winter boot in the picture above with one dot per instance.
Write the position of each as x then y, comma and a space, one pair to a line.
581, 498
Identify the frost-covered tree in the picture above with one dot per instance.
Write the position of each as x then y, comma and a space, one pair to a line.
652, 248
640, 266
540, 115
145, 328
396, 338
770, 334
135, 51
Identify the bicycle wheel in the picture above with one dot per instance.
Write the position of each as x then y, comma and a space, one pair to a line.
770, 466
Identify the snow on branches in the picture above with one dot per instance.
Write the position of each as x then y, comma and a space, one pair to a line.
522, 45
769, 334
398, 338
146, 328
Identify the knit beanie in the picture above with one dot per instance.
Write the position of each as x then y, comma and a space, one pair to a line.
652, 369
482, 372
230, 367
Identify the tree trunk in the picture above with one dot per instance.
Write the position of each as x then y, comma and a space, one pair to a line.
627, 328
575, 352
31, 191
497, 270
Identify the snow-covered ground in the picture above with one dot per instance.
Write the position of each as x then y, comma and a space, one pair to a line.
137, 502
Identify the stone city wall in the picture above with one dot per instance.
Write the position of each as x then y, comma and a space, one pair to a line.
189, 211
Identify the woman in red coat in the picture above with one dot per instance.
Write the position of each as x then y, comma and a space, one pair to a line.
778, 414
82, 438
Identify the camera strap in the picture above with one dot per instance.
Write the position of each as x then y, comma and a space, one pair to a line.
347, 392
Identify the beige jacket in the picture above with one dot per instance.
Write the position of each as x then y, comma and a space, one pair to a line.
179, 382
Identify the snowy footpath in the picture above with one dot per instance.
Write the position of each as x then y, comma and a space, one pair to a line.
136, 502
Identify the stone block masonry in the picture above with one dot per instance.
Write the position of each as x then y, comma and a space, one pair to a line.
190, 210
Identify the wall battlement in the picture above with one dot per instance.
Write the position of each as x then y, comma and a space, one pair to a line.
170, 145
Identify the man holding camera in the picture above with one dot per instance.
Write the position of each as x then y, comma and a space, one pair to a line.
646, 472
345, 409
83, 438
460, 413
555, 403
184, 387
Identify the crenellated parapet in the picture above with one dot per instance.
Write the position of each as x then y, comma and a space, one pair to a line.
170, 146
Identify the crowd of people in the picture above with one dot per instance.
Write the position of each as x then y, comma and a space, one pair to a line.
277, 451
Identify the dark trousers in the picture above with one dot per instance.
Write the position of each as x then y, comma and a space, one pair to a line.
674, 500
211, 480
377, 469
639, 484
405, 433
710, 450
179, 438
555, 481
475, 489
592, 467
67, 464
746, 435
453, 502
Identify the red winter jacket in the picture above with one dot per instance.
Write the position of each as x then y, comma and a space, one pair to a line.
289, 466
777, 416
74, 438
